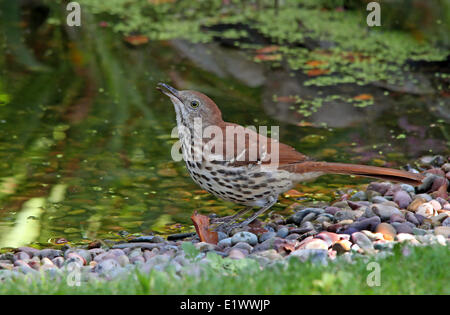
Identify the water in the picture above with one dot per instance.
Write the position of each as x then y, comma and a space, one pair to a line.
85, 146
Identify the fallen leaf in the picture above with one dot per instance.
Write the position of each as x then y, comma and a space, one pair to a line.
262, 57
363, 97
316, 72
292, 193
315, 63
201, 224
136, 40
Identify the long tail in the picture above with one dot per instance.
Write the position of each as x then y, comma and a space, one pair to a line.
359, 170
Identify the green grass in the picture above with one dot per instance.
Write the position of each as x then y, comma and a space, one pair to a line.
424, 271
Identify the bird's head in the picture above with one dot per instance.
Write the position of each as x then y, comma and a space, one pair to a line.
192, 104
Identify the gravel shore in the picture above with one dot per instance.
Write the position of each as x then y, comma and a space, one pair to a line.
363, 224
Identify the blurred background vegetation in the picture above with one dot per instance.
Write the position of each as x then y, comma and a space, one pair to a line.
85, 139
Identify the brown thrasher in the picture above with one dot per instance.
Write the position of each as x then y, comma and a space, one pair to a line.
239, 165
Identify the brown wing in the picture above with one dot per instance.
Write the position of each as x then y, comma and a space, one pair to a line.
241, 146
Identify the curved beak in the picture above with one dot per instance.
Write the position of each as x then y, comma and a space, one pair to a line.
168, 90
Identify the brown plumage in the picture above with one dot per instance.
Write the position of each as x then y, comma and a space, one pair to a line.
246, 167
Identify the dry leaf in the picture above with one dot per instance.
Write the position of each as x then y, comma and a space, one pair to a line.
293, 193
201, 224
316, 72
315, 63
263, 57
363, 97
136, 40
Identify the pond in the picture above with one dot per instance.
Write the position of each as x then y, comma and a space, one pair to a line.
85, 142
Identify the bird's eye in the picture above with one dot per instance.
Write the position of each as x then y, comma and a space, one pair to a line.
195, 104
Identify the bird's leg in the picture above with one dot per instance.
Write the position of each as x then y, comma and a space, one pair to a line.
270, 203
230, 219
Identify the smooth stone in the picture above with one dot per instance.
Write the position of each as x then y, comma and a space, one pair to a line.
407, 188
363, 242
427, 210
331, 210
21, 256
347, 215
246, 237
316, 256
384, 212
226, 242
306, 227
397, 218
282, 232
371, 194
272, 254
58, 261
293, 236
309, 217
297, 217
438, 219
405, 237
417, 231
387, 230
245, 246
442, 230
427, 197
316, 244
221, 236
50, 253
446, 222
29, 250
380, 187
267, 244
341, 204
416, 203
379, 199
402, 198
106, 266
342, 246
410, 217
123, 260
236, 254
359, 196
403, 227
366, 224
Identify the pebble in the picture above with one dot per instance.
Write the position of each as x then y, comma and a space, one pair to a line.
416, 203
442, 230
226, 242
316, 256
387, 230
282, 232
236, 254
403, 237
265, 236
403, 227
427, 210
297, 217
384, 212
363, 242
402, 198
342, 246
246, 237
